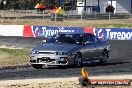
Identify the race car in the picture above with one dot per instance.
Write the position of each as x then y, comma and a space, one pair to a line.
73, 49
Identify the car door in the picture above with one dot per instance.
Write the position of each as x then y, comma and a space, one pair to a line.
89, 49
98, 45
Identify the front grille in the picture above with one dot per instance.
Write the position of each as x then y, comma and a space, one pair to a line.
62, 62
45, 59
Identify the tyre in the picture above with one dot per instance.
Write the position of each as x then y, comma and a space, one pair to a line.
37, 66
78, 61
104, 57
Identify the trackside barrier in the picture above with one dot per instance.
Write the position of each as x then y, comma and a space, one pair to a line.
11, 30
102, 33
111, 33
48, 31
114, 33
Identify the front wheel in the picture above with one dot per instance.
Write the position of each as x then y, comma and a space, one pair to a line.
78, 61
104, 57
38, 66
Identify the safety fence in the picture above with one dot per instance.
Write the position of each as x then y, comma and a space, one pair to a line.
68, 15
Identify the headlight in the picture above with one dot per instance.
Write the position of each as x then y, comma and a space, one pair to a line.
63, 53
34, 52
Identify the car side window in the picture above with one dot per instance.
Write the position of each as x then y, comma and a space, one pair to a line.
96, 39
88, 39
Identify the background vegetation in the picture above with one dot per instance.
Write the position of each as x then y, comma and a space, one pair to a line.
29, 4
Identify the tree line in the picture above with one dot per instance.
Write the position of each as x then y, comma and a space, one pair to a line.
29, 4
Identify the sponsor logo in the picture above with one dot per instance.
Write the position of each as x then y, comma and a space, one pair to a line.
114, 34
99, 33
121, 35
49, 31
110, 82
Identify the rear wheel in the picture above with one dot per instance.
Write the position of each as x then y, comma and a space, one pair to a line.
104, 57
78, 61
38, 66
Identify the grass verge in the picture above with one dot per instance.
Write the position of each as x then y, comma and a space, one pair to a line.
13, 57
118, 23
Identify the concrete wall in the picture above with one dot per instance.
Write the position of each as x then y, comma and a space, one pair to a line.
11, 30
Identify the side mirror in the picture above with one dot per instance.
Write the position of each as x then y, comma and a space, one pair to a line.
87, 42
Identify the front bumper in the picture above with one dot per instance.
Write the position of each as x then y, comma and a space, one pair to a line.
55, 60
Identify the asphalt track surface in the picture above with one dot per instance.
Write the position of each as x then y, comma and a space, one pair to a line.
120, 62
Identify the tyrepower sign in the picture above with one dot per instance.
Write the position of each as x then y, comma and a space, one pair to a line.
48, 31
113, 33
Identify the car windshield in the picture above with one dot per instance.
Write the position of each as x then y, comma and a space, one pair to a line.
67, 38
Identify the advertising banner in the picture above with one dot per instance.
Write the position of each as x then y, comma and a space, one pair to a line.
110, 33
102, 33
113, 33
48, 31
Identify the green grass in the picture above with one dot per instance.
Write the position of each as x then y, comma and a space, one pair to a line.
13, 57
